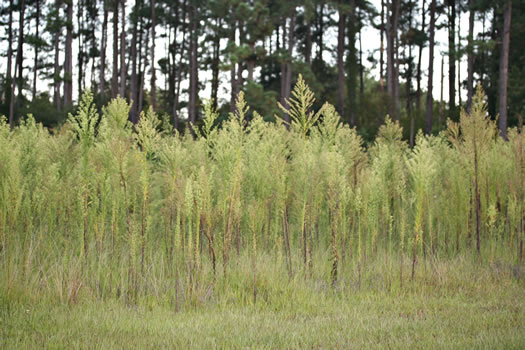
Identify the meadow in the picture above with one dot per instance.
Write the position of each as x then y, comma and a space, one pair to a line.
251, 234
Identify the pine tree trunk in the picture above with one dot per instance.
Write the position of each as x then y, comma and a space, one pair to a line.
68, 64
20, 58
283, 69
56, 73
18, 67
392, 81
441, 100
351, 66
134, 80
482, 53
114, 79
35, 65
361, 66
192, 104
172, 56
308, 46
428, 128
144, 57
215, 65
240, 64
251, 62
458, 57
320, 32
179, 71
382, 48
80, 21
153, 70
408, 83
452, 57
103, 46
504, 70
233, 76
8, 92
395, 21
288, 82
419, 58
123, 70
389, 56
470, 57
92, 25
340, 63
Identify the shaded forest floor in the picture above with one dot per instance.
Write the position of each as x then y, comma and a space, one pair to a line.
454, 305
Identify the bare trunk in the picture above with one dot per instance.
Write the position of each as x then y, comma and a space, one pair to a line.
340, 64
56, 73
240, 64
470, 57
80, 39
308, 48
8, 92
68, 64
361, 66
18, 67
283, 67
408, 85
153, 70
389, 56
215, 66
382, 47
251, 62
103, 46
452, 57
458, 57
504, 70
192, 104
123, 69
144, 57
320, 32
392, 81
430, 68
35, 66
114, 78
419, 58
291, 30
251, 68
233, 76
179, 71
20, 58
441, 100
352, 69
134, 80
395, 21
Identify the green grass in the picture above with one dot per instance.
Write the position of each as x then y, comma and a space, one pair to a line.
456, 304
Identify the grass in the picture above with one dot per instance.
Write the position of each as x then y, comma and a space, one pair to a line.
456, 304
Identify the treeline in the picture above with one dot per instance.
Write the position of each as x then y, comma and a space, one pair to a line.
257, 46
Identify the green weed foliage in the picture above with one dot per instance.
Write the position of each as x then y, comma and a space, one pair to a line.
103, 209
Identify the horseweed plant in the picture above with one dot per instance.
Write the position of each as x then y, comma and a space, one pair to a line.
110, 210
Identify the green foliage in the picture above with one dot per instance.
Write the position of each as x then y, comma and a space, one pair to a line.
109, 211
147, 136
84, 123
303, 118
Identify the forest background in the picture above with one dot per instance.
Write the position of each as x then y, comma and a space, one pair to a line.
368, 58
